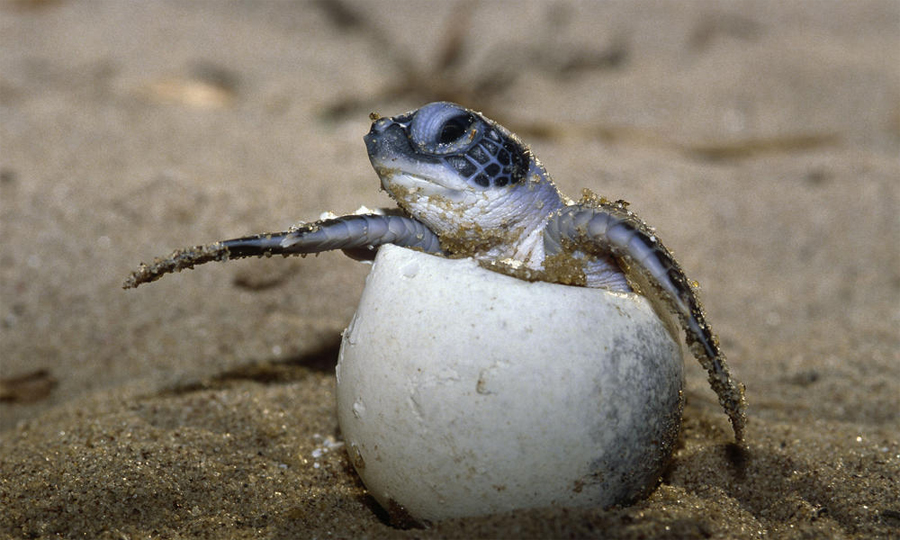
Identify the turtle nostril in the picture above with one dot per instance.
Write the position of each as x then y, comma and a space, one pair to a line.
380, 125
378, 128
387, 138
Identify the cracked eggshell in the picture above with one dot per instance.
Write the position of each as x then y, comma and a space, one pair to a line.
464, 392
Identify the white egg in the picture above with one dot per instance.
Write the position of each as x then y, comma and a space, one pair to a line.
464, 392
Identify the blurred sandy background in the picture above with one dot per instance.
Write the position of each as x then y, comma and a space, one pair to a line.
760, 138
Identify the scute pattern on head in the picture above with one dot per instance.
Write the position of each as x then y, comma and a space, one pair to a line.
496, 161
473, 182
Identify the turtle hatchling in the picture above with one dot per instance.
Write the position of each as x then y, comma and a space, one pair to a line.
467, 187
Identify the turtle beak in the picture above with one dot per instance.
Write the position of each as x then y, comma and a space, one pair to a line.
387, 141
373, 137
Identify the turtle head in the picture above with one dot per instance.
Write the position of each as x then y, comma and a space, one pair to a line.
461, 173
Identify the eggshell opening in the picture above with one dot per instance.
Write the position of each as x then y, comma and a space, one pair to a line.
465, 392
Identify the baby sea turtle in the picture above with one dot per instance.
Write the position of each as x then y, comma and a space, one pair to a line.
467, 187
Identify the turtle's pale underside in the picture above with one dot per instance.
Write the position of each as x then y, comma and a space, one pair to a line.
467, 187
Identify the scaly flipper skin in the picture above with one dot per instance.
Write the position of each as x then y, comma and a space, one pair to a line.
359, 235
467, 187
598, 227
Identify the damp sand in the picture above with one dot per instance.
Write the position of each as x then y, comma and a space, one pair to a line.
760, 139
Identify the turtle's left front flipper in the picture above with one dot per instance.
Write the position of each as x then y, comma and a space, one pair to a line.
359, 235
600, 228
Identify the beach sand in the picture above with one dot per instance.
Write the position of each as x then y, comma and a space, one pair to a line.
761, 139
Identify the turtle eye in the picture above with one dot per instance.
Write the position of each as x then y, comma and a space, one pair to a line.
454, 128
442, 129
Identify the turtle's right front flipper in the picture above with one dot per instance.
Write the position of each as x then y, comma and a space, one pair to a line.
358, 235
